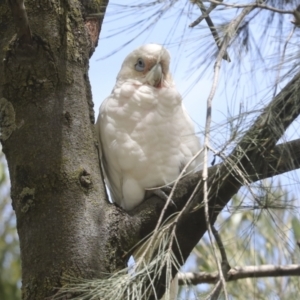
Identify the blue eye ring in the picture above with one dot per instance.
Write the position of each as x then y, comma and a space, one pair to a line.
140, 65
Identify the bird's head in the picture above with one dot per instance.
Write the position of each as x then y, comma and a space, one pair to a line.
148, 64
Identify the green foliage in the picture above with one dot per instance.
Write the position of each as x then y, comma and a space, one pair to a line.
261, 227
10, 269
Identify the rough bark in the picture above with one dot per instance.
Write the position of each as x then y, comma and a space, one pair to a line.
57, 191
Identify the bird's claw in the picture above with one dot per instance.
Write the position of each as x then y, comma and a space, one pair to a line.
162, 195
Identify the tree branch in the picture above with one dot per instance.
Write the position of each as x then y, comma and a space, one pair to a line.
57, 191
254, 5
211, 26
248, 162
237, 273
255, 157
283, 158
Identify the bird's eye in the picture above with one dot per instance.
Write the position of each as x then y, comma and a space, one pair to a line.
140, 65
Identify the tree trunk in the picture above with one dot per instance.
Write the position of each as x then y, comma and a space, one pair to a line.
50, 145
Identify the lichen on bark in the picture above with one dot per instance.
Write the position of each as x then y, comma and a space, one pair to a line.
7, 119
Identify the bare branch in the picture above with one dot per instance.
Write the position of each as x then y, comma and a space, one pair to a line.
251, 156
283, 158
234, 24
225, 263
237, 273
205, 15
254, 5
223, 276
21, 20
296, 13
256, 156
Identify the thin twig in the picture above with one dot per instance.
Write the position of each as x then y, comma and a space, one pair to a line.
205, 14
296, 14
282, 60
214, 294
252, 6
225, 262
233, 26
225, 266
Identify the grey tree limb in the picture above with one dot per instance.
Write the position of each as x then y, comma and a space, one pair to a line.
253, 159
238, 272
254, 5
205, 15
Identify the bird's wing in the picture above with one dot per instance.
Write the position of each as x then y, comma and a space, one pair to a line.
111, 168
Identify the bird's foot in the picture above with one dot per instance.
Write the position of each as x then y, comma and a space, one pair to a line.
161, 193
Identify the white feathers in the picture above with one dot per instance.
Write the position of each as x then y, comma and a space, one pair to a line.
145, 133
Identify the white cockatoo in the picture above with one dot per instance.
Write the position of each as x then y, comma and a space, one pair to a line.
146, 135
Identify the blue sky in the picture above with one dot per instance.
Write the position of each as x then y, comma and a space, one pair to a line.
103, 71
239, 89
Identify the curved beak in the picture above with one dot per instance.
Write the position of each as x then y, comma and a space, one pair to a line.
155, 76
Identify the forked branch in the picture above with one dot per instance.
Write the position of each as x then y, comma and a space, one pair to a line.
254, 158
